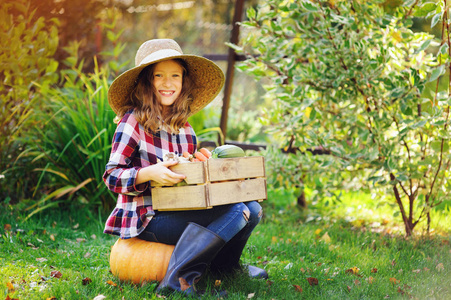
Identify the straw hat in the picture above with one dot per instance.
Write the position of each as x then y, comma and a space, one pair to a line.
208, 78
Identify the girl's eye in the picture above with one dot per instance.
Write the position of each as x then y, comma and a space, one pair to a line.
158, 75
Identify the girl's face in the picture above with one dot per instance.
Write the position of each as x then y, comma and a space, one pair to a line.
167, 81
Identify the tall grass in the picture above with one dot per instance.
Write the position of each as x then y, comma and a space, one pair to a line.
75, 138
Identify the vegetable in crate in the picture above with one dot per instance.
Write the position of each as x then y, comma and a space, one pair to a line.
227, 151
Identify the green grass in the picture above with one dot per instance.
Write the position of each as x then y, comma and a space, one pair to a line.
290, 244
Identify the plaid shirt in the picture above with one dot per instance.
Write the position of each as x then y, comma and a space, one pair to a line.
133, 149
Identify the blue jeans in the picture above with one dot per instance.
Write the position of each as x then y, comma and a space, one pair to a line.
225, 220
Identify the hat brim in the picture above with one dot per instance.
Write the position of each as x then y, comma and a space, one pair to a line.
208, 80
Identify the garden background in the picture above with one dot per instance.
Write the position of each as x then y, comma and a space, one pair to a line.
349, 98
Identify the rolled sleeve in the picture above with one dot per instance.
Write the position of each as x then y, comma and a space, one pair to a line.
123, 181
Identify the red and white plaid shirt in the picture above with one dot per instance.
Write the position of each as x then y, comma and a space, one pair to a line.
133, 148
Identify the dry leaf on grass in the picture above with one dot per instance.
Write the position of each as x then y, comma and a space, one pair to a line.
111, 283
394, 280
251, 295
373, 270
99, 297
184, 285
56, 274
297, 288
312, 281
10, 287
440, 267
353, 270
86, 281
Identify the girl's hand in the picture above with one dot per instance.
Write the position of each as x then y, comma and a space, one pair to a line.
160, 173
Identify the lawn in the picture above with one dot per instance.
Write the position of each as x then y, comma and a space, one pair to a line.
351, 250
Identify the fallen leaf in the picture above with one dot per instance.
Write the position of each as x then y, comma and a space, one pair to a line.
302, 270
184, 284
416, 271
326, 238
394, 280
52, 237
373, 270
312, 281
81, 240
318, 231
7, 227
353, 270
8, 298
440, 267
111, 283
297, 288
99, 297
251, 295
76, 226
349, 288
274, 239
86, 281
356, 282
10, 287
56, 274
41, 259
371, 280
51, 298
218, 283
393, 262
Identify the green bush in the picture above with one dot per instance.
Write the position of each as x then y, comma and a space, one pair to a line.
26, 58
349, 78
73, 142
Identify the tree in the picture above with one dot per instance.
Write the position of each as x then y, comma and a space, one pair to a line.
353, 79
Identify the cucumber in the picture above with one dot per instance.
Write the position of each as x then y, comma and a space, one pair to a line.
227, 151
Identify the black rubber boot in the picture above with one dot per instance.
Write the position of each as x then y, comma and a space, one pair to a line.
191, 256
227, 261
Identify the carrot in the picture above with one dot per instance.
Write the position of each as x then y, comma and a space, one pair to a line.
186, 154
205, 152
200, 156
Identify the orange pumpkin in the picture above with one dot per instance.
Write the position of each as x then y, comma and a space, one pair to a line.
137, 260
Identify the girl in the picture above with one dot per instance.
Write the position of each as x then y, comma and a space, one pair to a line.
153, 101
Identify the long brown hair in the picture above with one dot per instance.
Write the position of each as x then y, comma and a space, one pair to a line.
149, 112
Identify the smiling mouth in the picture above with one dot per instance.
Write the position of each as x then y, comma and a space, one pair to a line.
166, 93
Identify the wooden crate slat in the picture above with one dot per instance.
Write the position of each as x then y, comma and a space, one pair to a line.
237, 191
180, 198
236, 168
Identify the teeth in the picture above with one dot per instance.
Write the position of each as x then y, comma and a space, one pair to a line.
166, 93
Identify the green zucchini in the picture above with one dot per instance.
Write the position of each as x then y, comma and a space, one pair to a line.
227, 151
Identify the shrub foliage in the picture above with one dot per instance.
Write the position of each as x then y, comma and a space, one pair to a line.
352, 78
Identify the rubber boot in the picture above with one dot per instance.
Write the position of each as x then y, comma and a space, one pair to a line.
227, 261
191, 256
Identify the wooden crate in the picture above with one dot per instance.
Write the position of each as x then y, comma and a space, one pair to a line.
214, 182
